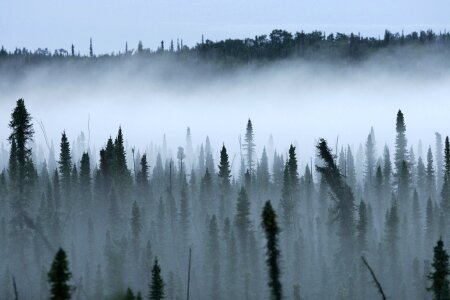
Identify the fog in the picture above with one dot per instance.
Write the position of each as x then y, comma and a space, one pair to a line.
113, 218
295, 101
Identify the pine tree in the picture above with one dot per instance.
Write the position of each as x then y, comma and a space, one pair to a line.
213, 258
65, 163
270, 226
59, 276
249, 146
401, 151
362, 227
439, 276
439, 160
20, 159
445, 192
136, 225
157, 284
430, 176
242, 219
85, 180
143, 176
343, 197
224, 182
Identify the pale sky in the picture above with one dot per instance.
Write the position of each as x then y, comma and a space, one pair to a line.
59, 23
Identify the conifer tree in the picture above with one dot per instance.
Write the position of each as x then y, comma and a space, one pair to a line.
249, 146
439, 160
362, 227
85, 180
20, 159
59, 276
270, 226
213, 258
430, 176
439, 276
157, 284
343, 197
65, 163
242, 219
224, 181
401, 151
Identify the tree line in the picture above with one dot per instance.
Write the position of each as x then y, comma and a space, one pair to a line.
278, 44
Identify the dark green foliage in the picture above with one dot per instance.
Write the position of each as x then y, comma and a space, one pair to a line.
20, 160
401, 152
439, 276
289, 193
85, 179
242, 219
157, 284
342, 195
65, 162
59, 276
224, 168
270, 226
249, 147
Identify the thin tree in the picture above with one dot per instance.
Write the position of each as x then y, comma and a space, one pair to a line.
270, 226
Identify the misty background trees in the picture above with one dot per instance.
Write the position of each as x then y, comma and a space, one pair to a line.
278, 44
127, 219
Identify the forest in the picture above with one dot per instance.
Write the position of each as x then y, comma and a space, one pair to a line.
365, 222
277, 45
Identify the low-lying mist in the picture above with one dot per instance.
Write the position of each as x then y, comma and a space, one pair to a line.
296, 101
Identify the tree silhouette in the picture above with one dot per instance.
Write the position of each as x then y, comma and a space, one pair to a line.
439, 276
59, 276
270, 226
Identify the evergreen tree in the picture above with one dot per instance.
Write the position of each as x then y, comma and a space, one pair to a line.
439, 276
430, 176
213, 258
20, 160
249, 146
59, 276
362, 227
224, 181
343, 197
242, 219
439, 160
65, 163
401, 151
85, 180
157, 284
270, 226
143, 176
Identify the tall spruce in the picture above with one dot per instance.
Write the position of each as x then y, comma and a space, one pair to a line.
65, 163
249, 147
59, 276
157, 284
270, 226
401, 144
439, 276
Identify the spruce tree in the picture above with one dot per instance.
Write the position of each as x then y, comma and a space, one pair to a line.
157, 284
401, 151
59, 276
242, 219
20, 160
439, 276
430, 176
85, 180
249, 146
65, 163
270, 226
